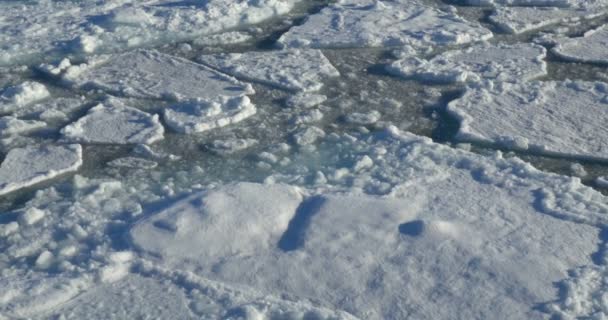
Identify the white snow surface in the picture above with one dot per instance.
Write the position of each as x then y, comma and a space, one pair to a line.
24, 167
34, 28
591, 47
504, 63
517, 20
15, 97
294, 70
200, 115
150, 74
489, 222
558, 118
113, 122
382, 24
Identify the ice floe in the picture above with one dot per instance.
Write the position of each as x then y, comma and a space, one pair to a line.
508, 63
11, 125
113, 122
383, 24
33, 29
560, 118
295, 70
478, 216
18, 96
24, 167
517, 20
200, 115
591, 47
149, 74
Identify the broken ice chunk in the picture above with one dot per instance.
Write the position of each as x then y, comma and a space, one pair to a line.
11, 125
24, 167
18, 96
113, 122
591, 47
561, 118
295, 70
503, 62
200, 115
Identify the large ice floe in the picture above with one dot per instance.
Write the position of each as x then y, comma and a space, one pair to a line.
382, 24
148, 74
31, 29
490, 223
591, 47
113, 122
504, 63
294, 70
24, 167
557, 118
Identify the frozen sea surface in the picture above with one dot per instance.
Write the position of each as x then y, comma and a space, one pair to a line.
265, 159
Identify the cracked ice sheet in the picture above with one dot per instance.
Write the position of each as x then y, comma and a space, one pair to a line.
24, 167
556, 118
294, 70
149, 74
114, 122
504, 63
540, 3
592, 47
517, 20
383, 24
32, 29
457, 227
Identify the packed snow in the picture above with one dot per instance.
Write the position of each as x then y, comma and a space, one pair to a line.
24, 167
113, 122
503, 63
294, 70
382, 24
559, 118
591, 47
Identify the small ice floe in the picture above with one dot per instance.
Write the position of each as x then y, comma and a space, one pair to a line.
591, 47
21, 95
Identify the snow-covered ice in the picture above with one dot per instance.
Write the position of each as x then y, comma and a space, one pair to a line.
200, 115
591, 47
18, 96
383, 24
523, 19
113, 122
559, 118
295, 70
504, 63
24, 167
150, 74
11, 125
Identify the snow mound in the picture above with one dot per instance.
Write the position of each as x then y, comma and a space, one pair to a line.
591, 47
34, 29
383, 24
294, 70
559, 118
200, 115
113, 122
24, 167
508, 63
150, 74
15, 97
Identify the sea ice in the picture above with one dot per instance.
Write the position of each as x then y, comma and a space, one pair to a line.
383, 24
563, 118
294, 70
24, 167
18, 96
200, 115
150, 74
517, 20
591, 47
11, 125
455, 227
508, 63
113, 122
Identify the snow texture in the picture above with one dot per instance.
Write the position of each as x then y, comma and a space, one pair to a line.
294, 70
24, 167
591, 47
113, 122
18, 96
558, 118
383, 24
504, 63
